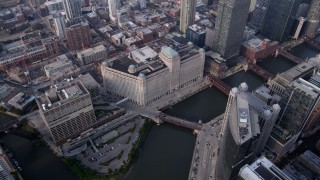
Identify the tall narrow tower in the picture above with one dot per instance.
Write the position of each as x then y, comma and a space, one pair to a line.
73, 11
143, 4
279, 19
114, 5
313, 17
230, 26
246, 127
187, 15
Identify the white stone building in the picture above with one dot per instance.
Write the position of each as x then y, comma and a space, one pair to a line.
146, 76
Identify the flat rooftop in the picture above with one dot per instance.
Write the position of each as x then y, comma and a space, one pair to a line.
21, 100
297, 71
61, 93
146, 59
307, 87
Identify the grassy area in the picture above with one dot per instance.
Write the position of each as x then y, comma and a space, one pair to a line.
83, 173
28, 129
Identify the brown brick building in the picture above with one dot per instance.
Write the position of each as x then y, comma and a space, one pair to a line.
257, 49
78, 36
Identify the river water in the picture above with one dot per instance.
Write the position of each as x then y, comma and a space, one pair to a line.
167, 151
37, 161
304, 51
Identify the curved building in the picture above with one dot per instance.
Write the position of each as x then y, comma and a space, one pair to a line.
313, 17
246, 128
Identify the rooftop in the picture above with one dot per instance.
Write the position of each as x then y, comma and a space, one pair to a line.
262, 169
197, 28
61, 93
310, 89
88, 81
306, 166
146, 59
297, 71
21, 100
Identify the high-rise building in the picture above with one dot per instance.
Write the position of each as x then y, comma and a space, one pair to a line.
209, 37
196, 34
298, 26
59, 24
299, 101
73, 11
54, 5
259, 13
246, 127
303, 10
279, 19
187, 14
230, 25
313, 17
67, 110
78, 36
113, 5
143, 4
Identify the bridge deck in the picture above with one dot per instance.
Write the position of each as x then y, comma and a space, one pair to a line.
219, 84
290, 56
260, 71
179, 122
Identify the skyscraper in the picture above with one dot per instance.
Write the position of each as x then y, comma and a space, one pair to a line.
187, 15
143, 4
246, 127
230, 25
113, 5
313, 17
78, 36
73, 11
259, 13
59, 24
279, 19
299, 101
67, 110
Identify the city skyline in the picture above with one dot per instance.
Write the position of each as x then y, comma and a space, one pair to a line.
160, 89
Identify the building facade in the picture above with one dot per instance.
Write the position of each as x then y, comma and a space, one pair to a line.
92, 55
146, 76
313, 18
59, 25
246, 127
257, 49
66, 110
299, 100
78, 36
230, 25
197, 35
259, 13
113, 5
187, 14
73, 11
279, 19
